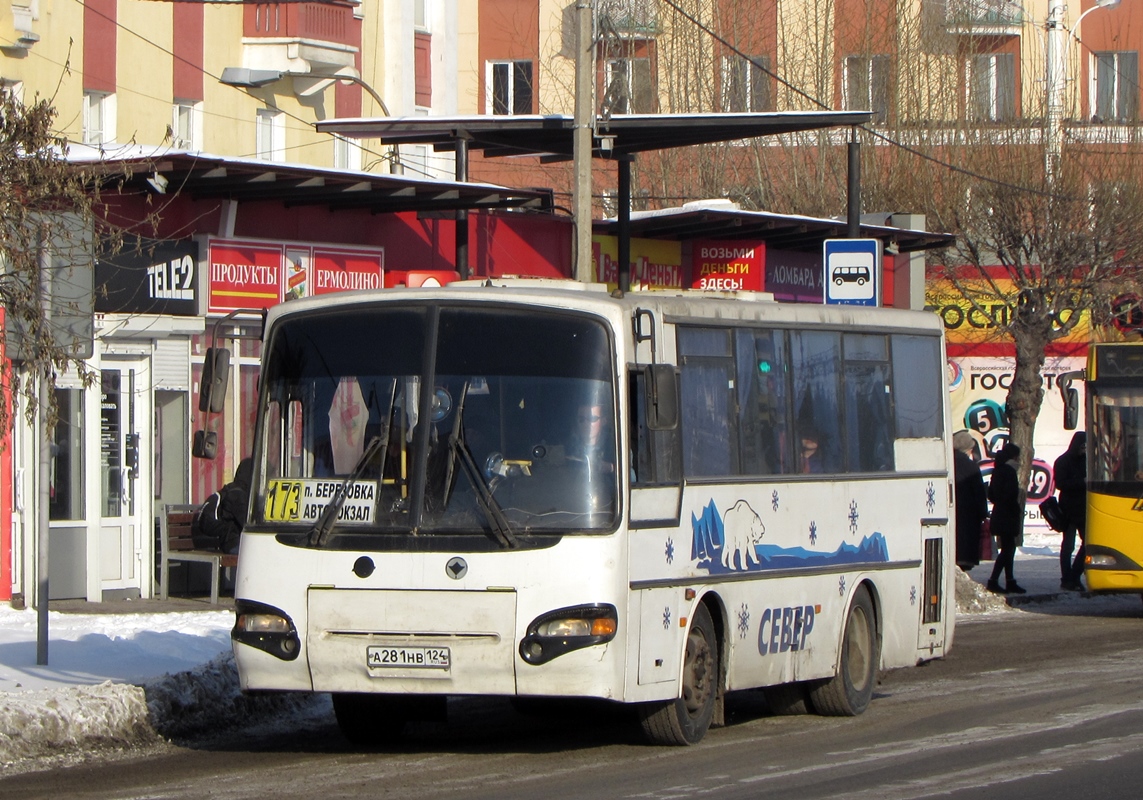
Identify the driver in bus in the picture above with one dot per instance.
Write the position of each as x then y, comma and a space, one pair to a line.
588, 442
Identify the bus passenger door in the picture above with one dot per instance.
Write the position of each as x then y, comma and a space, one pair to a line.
931, 634
655, 454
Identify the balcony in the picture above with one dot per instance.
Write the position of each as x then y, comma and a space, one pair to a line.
984, 17
630, 18
299, 37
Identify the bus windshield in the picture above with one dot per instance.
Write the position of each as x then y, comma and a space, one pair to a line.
437, 419
1116, 444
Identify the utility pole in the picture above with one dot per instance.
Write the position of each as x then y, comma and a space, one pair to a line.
582, 141
43, 472
1057, 79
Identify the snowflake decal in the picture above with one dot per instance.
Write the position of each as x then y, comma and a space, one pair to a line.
743, 621
666, 617
853, 517
912, 595
813, 532
670, 551
841, 586
931, 497
774, 500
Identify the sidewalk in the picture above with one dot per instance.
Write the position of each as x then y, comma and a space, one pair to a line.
1036, 570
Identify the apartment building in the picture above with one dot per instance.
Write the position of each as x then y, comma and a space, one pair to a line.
916, 64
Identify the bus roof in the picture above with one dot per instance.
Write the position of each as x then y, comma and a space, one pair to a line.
674, 303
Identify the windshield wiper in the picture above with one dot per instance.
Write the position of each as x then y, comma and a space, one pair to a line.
324, 525
458, 448
325, 522
499, 524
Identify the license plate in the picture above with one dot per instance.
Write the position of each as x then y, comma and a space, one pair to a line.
408, 658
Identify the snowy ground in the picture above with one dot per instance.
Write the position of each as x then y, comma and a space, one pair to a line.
120, 682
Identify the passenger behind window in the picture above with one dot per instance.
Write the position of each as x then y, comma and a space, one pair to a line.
809, 455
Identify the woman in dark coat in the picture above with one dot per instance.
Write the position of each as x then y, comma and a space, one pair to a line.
1007, 517
1070, 473
971, 501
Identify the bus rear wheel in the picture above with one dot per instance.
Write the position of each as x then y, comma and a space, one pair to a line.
685, 720
848, 693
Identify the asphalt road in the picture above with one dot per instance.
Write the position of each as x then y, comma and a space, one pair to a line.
1042, 703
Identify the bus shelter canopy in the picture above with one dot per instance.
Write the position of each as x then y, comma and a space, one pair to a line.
551, 136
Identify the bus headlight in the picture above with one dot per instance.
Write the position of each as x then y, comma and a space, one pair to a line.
266, 628
566, 629
1098, 557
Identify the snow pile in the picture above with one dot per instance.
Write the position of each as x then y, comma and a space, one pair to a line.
972, 598
208, 699
77, 718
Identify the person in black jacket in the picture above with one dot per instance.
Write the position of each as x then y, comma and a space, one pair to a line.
971, 501
1007, 517
218, 525
1070, 471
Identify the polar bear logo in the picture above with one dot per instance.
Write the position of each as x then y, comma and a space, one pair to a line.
742, 530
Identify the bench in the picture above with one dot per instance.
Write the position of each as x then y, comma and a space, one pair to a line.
176, 545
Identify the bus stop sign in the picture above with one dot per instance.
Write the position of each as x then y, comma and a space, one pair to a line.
852, 271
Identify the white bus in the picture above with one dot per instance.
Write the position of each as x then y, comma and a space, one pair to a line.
535, 489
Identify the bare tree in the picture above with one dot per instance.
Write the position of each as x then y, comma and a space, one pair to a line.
48, 209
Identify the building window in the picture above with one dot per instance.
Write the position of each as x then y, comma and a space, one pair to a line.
14, 89
270, 135
746, 84
186, 125
66, 498
991, 83
1116, 90
866, 85
346, 153
629, 86
98, 118
508, 87
421, 15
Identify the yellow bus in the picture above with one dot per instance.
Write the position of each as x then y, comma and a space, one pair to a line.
1114, 406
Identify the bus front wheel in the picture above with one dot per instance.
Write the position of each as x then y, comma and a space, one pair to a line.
369, 720
685, 720
848, 693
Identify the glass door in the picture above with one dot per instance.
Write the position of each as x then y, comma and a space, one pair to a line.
124, 415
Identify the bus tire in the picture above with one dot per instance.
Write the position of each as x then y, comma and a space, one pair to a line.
685, 720
369, 720
787, 699
848, 693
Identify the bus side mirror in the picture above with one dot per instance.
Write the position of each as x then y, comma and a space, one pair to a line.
662, 397
205, 444
215, 376
1071, 408
1070, 395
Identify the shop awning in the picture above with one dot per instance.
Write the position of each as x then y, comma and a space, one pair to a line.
203, 176
779, 231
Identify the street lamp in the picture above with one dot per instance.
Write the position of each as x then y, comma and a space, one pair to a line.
246, 78
1057, 45
257, 78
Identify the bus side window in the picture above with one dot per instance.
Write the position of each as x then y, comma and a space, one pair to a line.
815, 358
654, 454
